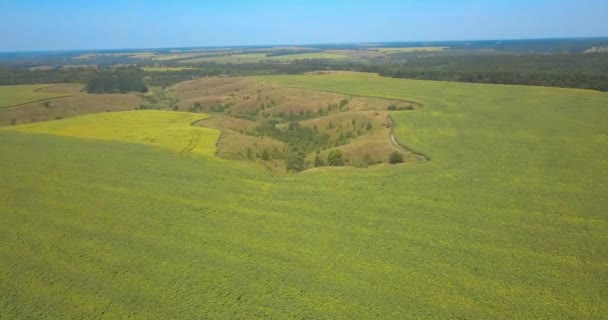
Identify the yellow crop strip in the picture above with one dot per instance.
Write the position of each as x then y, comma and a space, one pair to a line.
164, 129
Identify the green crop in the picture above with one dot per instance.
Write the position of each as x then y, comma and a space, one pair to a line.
506, 220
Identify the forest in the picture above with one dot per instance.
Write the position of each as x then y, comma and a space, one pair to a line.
568, 70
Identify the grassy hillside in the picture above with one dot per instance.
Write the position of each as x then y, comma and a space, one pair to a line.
507, 220
248, 110
20, 94
73, 104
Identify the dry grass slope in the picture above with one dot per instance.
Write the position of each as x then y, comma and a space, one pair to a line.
74, 104
344, 118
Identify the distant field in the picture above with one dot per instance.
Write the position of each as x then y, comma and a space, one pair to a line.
235, 58
411, 49
71, 102
257, 57
166, 69
120, 54
506, 221
172, 56
302, 56
165, 129
20, 94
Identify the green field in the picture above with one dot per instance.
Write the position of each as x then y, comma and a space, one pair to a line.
20, 94
507, 220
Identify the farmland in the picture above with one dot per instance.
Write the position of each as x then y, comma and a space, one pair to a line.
302, 56
257, 57
412, 49
165, 129
166, 69
229, 58
506, 220
20, 94
63, 101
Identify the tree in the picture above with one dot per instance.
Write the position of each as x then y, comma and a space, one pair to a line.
395, 157
295, 162
335, 158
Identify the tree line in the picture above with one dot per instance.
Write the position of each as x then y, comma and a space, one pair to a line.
117, 81
586, 71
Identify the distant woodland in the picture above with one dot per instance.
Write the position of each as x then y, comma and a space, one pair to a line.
537, 63
117, 81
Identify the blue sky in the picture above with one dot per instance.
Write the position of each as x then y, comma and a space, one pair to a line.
109, 24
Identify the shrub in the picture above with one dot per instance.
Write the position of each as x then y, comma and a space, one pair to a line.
335, 158
395, 157
265, 155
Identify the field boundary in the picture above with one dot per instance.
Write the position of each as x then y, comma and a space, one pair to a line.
34, 101
421, 105
218, 143
400, 145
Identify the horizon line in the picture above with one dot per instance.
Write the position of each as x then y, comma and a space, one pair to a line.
290, 45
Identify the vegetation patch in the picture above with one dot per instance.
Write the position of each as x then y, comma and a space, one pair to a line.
117, 81
304, 126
